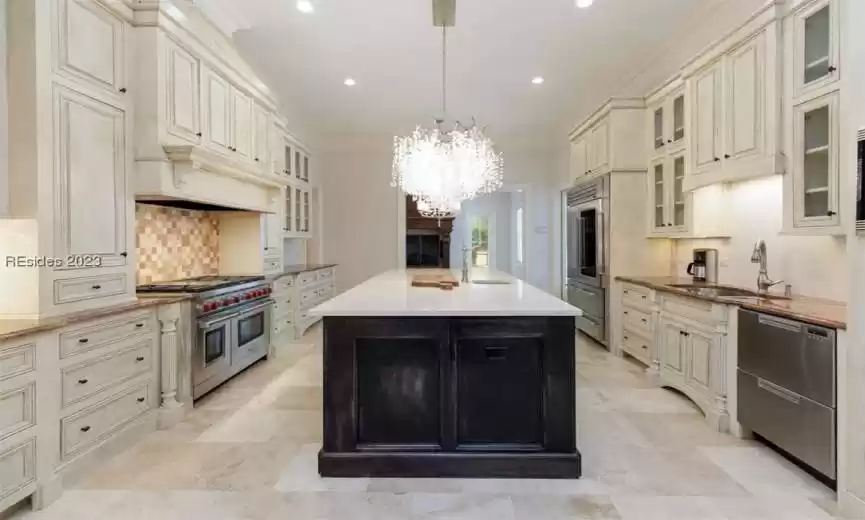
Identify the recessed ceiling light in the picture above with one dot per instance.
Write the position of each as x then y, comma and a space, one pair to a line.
349, 82
582, 4
537, 80
305, 6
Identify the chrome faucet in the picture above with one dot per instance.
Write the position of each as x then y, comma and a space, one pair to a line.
465, 277
759, 257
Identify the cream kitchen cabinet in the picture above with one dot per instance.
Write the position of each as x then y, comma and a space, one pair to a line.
637, 324
91, 45
90, 181
814, 47
733, 94
261, 135
241, 124
217, 101
182, 95
611, 139
295, 294
670, 203
667, 119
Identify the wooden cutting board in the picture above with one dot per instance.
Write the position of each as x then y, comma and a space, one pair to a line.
445, 282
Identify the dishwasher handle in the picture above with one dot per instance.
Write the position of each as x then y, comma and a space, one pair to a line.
779, 323
780, 391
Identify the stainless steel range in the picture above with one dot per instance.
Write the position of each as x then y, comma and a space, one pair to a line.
232, 316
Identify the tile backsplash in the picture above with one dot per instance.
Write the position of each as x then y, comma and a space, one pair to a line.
175, 243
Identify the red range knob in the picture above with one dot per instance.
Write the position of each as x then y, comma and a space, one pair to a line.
262, 292
207, 307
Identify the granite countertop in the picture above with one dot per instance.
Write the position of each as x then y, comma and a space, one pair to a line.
300, 268
16, 328
817, 311
391, 294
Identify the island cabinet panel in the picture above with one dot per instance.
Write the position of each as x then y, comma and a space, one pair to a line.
449, 397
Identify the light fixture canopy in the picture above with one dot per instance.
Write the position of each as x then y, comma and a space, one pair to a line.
305, 6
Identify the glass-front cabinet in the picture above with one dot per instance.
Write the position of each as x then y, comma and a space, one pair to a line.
669, 200
668, 123
816, 43
658, 189
815, 163
288, 226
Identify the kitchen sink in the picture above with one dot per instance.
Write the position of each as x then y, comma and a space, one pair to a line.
727, 292
490, 282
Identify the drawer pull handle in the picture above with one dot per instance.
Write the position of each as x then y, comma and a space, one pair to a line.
139, 358
627, 338
85, 429
643, 296
645, 320
96, 287
495, 353
140, 399
83, 340
82, 381
139, 325
626, 313
781, 392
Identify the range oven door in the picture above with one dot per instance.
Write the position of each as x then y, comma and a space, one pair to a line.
586, 222
251, 329
211, 354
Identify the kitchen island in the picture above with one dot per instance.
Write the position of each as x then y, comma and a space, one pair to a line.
477, 381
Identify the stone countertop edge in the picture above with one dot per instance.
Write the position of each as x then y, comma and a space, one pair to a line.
815, 311
14, 328
299, 268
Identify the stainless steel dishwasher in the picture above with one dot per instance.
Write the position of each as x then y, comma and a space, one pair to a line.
787, 389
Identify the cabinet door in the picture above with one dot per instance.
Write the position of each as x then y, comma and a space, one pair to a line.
658, 190
815, 162
241, 124
289, 211
743, 104
600, 148
182, 94
702, 351
658, 115
672, 350
500, 390
91, 44
273, 237
678, 196
817, 45
261, 152
217, 114
298, 209
298, 163
306, 168
90, 179
676, 118
306, 210
706, 113
579, 165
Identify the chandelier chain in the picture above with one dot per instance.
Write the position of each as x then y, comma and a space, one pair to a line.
444, 72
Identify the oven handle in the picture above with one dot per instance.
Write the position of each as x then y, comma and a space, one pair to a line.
209, 323
260, 305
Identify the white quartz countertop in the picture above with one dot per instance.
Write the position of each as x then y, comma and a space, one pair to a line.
391, 294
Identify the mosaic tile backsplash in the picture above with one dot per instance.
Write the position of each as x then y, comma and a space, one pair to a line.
175, 243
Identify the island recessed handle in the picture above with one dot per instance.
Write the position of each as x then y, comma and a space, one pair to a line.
496, 353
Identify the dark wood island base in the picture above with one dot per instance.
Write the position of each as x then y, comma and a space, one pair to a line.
449, 397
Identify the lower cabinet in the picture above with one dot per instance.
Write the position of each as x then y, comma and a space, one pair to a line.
459, 397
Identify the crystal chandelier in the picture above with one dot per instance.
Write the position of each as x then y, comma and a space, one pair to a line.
440, 169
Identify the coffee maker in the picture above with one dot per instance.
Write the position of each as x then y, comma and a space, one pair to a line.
704, 268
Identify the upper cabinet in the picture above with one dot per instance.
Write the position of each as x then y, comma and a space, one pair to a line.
610, 139
217, 111
733, 94
91, 45
182, 76
261, 135
815, 47
241, 124
668, 122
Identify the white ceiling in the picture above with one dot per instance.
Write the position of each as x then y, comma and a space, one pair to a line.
391, 48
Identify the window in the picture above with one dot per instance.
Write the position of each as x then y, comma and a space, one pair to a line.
520, 235
480, 242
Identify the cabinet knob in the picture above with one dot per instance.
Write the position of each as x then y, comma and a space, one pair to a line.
96, 287
626, 337
83, 340
82, 381
139, 325
645, 320
669, 224
830, 213
726, 156
139, 358
669, 141
124, 254
85, 429
198, 134
256, 159
717, 159
123, 90
140, 399
833, 68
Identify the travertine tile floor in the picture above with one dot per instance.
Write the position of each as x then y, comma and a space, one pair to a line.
248, 451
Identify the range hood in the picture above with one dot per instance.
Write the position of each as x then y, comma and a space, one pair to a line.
193, 177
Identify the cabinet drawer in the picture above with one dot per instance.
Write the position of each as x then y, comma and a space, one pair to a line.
591, 300
17, 467
636, 295
86, 379
93, 424
308, 278
701, 311
16, 361
281, 310
86, 288
308, 297
17, 410
637, 345
283, 284
80, 340
792, 422
638, 321
325, 274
